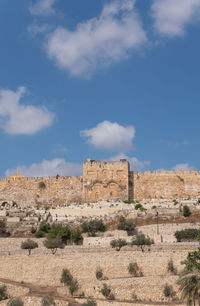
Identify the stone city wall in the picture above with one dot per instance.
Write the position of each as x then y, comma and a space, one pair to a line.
30, 191
105, 180
165, 185
101, 181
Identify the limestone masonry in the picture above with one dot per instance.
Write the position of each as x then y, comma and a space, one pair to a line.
101, 181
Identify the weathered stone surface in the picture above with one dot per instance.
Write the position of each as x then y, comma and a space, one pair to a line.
100, 181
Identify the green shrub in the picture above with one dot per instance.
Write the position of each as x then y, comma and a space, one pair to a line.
53, 244
90, 302
59, 230
44, 227
75, 235
175, 202
48, 301
129, 202
126, 225
154, 207
106, 290
138, 206
93, 226
74, 286
66, 277
134, 269
134, 297
118, 243
187, 234
16, 302
3, 293
2, 227
141, 241
39, 234
99, 273
168, 291
29, 245
33, 230
170, 267
186, 211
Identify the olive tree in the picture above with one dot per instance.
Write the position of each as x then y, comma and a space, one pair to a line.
29, 245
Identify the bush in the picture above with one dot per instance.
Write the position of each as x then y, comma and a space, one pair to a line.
2, 227
74, 286
139, 206
175, 202
41, 185
48, 301
126, 225
16, 302
3, 293
129, 202
134, 297
75, 235
141, 241
39, 234
53, 244
118, 244
154, 207
168, 291
106, 291
187, 234
90, 302
59, 230
186, 211
29, 245
134, 269
171, 268
44, 227
33, 230
93, 226
99, 273
66, 277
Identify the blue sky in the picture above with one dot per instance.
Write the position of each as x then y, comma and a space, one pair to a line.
99, 79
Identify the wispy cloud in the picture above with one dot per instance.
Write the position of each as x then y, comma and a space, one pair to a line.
172, 16
42, 7
48, 168
135, 164
183, 167
98, 42
110, 136
17, 118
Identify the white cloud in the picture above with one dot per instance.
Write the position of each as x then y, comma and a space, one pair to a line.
42, 7
48, 168
110, 136
171, 16
98, 42
183, 167
135, 164
16, 118
35, 29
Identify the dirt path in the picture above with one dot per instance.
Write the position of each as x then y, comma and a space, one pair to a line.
41, 291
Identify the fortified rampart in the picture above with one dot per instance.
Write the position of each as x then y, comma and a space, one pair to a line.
36, 191
101, 181
166, 185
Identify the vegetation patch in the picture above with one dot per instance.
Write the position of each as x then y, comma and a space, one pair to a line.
187, 234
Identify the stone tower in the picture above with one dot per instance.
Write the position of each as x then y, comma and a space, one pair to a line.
105, 180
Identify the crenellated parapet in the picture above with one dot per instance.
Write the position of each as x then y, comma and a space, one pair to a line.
101, 181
